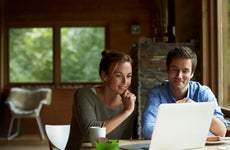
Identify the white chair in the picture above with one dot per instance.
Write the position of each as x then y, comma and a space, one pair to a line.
57, 136
27, 103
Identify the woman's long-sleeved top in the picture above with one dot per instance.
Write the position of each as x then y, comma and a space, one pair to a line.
88, 110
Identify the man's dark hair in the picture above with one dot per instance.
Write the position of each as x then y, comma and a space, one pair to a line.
182, 52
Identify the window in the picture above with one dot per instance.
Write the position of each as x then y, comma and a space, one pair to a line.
81, 53
32, 55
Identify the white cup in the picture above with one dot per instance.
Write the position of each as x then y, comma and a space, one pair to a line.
96, 132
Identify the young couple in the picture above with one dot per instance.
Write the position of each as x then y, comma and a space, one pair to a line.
113, 104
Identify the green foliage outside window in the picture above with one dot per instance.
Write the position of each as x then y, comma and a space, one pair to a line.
81, 53
30, 55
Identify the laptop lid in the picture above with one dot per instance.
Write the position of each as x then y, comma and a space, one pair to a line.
182, 126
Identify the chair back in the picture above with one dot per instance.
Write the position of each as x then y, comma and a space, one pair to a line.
29, 99
58, 135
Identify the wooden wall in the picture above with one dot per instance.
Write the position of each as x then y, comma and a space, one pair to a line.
188, 20
117, 15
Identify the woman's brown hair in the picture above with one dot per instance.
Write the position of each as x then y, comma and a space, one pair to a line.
110, 59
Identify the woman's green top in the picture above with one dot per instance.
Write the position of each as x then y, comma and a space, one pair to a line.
88, 110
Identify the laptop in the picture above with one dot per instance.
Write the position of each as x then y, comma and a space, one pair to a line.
182, 126
179, 126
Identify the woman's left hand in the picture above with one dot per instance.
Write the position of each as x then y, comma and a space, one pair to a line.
128, 99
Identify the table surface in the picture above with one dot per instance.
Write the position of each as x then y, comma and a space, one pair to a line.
224, 145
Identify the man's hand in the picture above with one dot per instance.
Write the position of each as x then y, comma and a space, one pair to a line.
185, 100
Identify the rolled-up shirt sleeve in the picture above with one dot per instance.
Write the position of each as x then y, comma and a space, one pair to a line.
149, 115
207, 95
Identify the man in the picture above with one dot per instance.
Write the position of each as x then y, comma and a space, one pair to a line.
181, 64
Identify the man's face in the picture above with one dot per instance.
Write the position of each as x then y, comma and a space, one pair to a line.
180, 73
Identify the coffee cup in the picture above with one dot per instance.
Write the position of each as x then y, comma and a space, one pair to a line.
96, 132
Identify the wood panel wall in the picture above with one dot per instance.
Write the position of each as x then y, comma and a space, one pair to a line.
117, 15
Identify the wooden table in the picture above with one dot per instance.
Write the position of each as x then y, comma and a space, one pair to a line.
221, 146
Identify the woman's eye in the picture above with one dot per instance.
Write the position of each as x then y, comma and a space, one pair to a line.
119, 75
129, 76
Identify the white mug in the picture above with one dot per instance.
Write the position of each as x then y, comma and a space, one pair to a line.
96, 132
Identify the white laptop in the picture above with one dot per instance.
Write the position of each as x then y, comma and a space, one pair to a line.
182, 126
179, 126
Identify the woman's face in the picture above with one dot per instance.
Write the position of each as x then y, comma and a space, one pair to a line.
120, 79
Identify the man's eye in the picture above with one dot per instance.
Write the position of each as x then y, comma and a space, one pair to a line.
186, 71
174, 70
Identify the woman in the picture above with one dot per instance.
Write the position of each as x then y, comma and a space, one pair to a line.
110, 103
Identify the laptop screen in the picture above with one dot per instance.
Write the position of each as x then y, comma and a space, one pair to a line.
182, 125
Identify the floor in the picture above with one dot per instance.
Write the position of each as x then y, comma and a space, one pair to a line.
24, 142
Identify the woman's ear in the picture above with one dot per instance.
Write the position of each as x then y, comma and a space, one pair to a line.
104, 76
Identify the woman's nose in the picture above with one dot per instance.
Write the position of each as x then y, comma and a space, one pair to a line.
124, 80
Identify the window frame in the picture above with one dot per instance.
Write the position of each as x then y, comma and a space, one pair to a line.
222, 6
212, 49
56, 53
213, 46
209, 47
220, 54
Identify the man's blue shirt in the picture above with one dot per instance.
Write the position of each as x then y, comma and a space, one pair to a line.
161, 94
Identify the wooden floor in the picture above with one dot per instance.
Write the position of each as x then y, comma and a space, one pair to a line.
24, 142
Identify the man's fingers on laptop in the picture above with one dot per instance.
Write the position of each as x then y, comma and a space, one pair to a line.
185, 100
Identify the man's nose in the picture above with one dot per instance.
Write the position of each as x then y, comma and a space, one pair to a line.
180, 73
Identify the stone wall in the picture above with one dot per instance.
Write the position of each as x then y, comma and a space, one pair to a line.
149, 69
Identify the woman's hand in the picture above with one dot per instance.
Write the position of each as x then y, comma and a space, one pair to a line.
128, 99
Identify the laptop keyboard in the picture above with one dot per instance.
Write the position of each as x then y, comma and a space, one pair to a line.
140, 146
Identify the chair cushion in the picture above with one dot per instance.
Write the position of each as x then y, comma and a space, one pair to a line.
27, 99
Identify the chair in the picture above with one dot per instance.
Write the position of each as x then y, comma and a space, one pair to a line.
57, 136
27, 103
